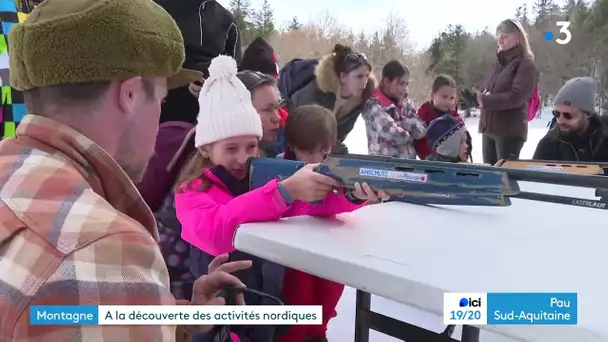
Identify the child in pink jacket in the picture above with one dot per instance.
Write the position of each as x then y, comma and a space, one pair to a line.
213, 199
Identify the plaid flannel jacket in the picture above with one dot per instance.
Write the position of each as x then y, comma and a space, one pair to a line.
73, 231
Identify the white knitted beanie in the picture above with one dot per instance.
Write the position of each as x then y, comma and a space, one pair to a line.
225, 104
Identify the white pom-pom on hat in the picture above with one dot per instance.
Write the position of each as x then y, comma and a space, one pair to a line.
225, 106
222, 67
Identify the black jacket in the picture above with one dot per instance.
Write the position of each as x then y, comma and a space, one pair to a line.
209, 30
553, 147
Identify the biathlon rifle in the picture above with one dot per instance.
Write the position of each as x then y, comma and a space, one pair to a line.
439, 183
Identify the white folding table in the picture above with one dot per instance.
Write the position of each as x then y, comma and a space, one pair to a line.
413, 254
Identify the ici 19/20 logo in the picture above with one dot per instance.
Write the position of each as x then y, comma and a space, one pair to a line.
563, 31
470, 302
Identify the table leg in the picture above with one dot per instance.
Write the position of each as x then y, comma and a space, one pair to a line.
366, 320
470, 334
364, 301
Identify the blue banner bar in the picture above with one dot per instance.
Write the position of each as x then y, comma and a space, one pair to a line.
532, 308
64, 315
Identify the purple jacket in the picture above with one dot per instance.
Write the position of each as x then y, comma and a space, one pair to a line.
164, 166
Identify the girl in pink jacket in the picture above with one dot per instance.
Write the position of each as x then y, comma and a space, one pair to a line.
213, 198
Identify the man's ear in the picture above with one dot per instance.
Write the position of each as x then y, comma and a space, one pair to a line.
127, 94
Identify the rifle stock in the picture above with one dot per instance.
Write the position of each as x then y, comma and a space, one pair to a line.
263, 170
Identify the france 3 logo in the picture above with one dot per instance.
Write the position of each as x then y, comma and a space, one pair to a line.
563, 37
465, 308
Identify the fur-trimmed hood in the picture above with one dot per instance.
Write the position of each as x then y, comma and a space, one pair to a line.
328, 81
322, 91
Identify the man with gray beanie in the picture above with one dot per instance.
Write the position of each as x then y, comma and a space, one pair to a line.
579, 134
73, 228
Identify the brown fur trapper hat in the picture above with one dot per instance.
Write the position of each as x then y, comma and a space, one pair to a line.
76, 41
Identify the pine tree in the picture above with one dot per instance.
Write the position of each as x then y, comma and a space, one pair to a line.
294, 24
525, 19
447, 52
241, 10
521, 14
264, 21
546, 11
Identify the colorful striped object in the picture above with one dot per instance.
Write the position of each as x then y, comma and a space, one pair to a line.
12, 108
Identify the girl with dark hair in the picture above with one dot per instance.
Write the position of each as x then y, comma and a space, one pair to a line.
442, 102
391, 123
343, 81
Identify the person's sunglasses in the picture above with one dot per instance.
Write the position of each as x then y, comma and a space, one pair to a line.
557, 114
355, 57
354, 60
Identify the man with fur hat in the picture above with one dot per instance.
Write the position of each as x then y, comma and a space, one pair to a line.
580, 134
73, 228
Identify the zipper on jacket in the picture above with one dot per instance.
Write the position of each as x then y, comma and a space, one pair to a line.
201, 9
593, 150
597, 148
572, 147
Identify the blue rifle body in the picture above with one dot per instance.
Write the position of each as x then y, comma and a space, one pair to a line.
403, 183
426, 182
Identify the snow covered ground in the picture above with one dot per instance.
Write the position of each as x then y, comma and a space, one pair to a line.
341, 328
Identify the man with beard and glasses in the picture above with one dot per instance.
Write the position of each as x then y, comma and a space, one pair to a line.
73, 228
579, 133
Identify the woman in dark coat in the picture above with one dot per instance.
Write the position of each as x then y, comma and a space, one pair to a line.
505, 93
343, 82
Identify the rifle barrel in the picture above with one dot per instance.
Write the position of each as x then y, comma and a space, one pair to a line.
548, 177
539, 176
573, 201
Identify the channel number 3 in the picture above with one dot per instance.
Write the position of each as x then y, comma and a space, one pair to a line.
563, 30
